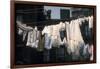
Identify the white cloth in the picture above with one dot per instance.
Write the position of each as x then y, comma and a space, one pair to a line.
77, 32
32, 40
61, 26
35, 44
90, 49
48, 41
90, 21
23, 29
29, 40
55, 30
61, 29
63, 42
20, 31
74, 36
44, 30
55, 35
24, 35
48, 32
48, 29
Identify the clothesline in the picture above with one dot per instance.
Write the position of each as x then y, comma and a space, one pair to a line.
58, 20
53, 36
